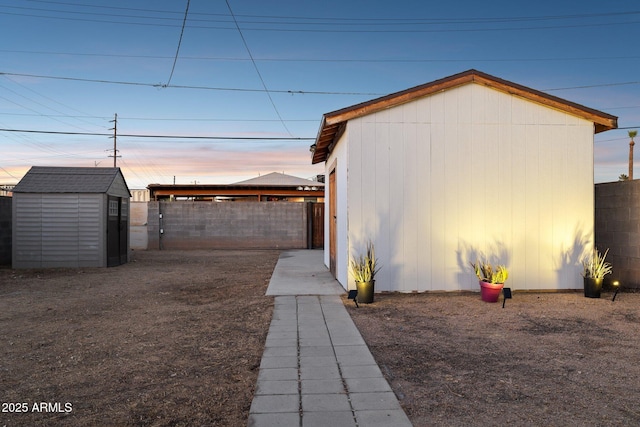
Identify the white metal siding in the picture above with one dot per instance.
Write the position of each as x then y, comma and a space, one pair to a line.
438, 181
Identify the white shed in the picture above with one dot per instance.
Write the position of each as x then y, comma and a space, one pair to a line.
471, 164
70, 217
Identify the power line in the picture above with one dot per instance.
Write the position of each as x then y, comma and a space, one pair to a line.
350, 19
197, 137
592, 86
255, 66
290, 92
337, 21
140, 166
169, 119
101, 6
25, 107
331, 60
350, 29
8, 173
21, 139
447, 30
37, 102
160, 85
175, 59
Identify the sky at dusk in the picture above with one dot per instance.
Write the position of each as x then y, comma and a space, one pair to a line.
238, 88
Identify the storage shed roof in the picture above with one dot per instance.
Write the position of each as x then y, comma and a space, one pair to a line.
41, 179
333, 123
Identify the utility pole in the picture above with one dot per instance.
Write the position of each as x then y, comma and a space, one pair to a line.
115, 139
632, 134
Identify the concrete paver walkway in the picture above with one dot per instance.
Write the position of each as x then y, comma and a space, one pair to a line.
316, 369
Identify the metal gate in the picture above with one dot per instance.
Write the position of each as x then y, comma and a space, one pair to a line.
315, 225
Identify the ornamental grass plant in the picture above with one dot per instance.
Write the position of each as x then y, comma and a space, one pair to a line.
595, 266
490, 274
364, 267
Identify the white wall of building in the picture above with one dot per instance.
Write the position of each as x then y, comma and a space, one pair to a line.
438, 181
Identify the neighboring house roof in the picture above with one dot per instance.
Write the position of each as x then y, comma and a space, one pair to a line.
276, 179
333, 123
272, 184
67, 180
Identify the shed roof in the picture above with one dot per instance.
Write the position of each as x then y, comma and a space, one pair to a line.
41, 179
333, 123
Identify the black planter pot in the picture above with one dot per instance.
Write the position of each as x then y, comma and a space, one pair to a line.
592, 287
365, 291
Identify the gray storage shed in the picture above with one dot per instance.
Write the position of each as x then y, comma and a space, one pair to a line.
70, 217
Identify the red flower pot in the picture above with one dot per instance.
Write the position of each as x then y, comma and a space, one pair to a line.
490, 292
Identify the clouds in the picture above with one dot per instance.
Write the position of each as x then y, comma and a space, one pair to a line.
335, 47
216, 163
220, 163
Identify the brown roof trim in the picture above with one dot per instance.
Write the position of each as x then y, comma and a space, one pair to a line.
331, 121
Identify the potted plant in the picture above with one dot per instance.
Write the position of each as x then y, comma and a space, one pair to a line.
595, 268
364, 269
491, 279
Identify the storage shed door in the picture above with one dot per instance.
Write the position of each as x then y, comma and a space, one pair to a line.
117, 224
124, 230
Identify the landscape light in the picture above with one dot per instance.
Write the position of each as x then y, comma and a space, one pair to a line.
353, 294
616, 285
506, 293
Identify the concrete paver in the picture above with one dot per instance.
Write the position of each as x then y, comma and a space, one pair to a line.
316, 369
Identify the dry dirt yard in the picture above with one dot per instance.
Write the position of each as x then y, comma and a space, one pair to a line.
175, 338
169, 339
544, 360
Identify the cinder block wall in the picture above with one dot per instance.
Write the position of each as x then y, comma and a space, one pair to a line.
250, 225
617, 227
5, 230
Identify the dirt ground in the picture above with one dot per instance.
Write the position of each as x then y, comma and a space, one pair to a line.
546, 359
175, 338
169, 339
